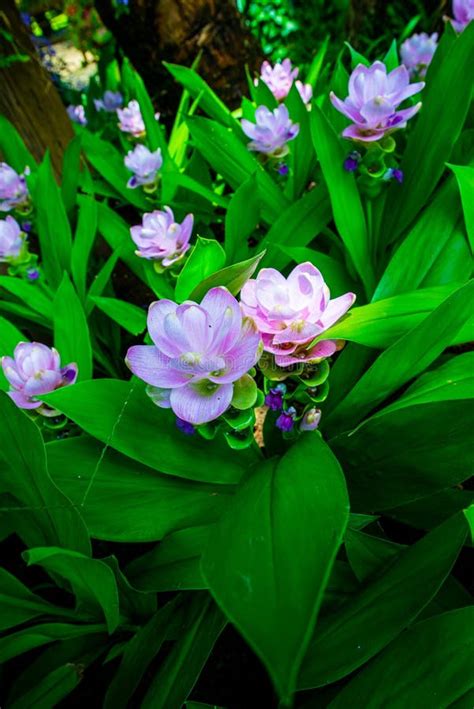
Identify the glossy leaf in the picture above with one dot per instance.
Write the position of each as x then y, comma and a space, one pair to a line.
206, 258
232, 277
465, 178
129, 316
83, 242
71, 330
51, 689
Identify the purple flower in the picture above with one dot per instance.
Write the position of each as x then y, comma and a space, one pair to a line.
417, 52
160, 238
131, 120
283, 169
279, 79
463, 11
110, 101
271, 132
35, 370
199, 351
305, 91
291, 312
32, 274
374, 97
394, 173
11, 239
144, 164
351, 163
286, 419
274, 398
77, 114
13, 189
184, 426
310, 420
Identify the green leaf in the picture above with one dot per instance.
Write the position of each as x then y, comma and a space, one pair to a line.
10, 336
445, 106
54, 230
71, 173
127, 315
121, 415
116, 232
465, 178
429, 511
391, 58
179, 672
32, 294
56, 520
71, 331
127, 501
356, 57
231, 277
51, 689
17, 643
345, 200
12, 147
409, 356
154, 131
136, 605
430, 664
83, 242
345, 640
250, 564
90, 580
206, 258
241, 218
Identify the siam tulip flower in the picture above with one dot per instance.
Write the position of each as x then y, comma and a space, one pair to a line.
110, 101
13, 189
11, 239
374, 97
198, 353
310, 420
35, 370
463, 11
77, 114
417, 52
271, 132
131, 120
144, 164
160, 238
286, 419
291, 312
279, 79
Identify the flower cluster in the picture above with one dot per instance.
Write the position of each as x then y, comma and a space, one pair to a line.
13, 190
417, 52
131, 119
373, 101
110, 102
77, 114
145, 165
280, 78
33, 371
271, 132
161, 239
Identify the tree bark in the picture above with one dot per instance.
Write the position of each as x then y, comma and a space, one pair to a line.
28, 98
176, 31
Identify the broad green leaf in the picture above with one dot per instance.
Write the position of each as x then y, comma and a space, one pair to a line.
206, 258
54, 230
241, 218
427, 512
32, 294
231, 277
127, 501
12, 147
391, 58
121, 415
116, 232
90, 580
173, 180
171, 686
409, 356
345, 640
264, 588
465, 178
356, 57
51, 689
10, 336
83, 242
302, 158
17, 643
135, 605
56, 520
71, 331
445, 106
345, 200
428, 665
71, 173
454, 264
127, 315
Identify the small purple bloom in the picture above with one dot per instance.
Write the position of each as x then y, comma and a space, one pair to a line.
77, 114
11, 239
274, 398
131, 120
33, 274
351, 163
27, 226
160, 238
144, 164
463, 11
394, 173
13, 189
417, 52
291, 312
310, 420
35, 370
374, 97
271, 132
186, 427
110, 101
199, 351
283, 169
286, 419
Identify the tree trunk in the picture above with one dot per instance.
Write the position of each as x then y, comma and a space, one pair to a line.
176, 31
28, 98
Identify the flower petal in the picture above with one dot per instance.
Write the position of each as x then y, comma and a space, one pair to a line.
201, 402
149, 364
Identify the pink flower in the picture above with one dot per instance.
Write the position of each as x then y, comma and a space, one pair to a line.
417, 52
280, 77
130, 119
198, 352
35, 370
11, 239
305, 91
160, 238
374, 97
463, 11
291, 312
271, 132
